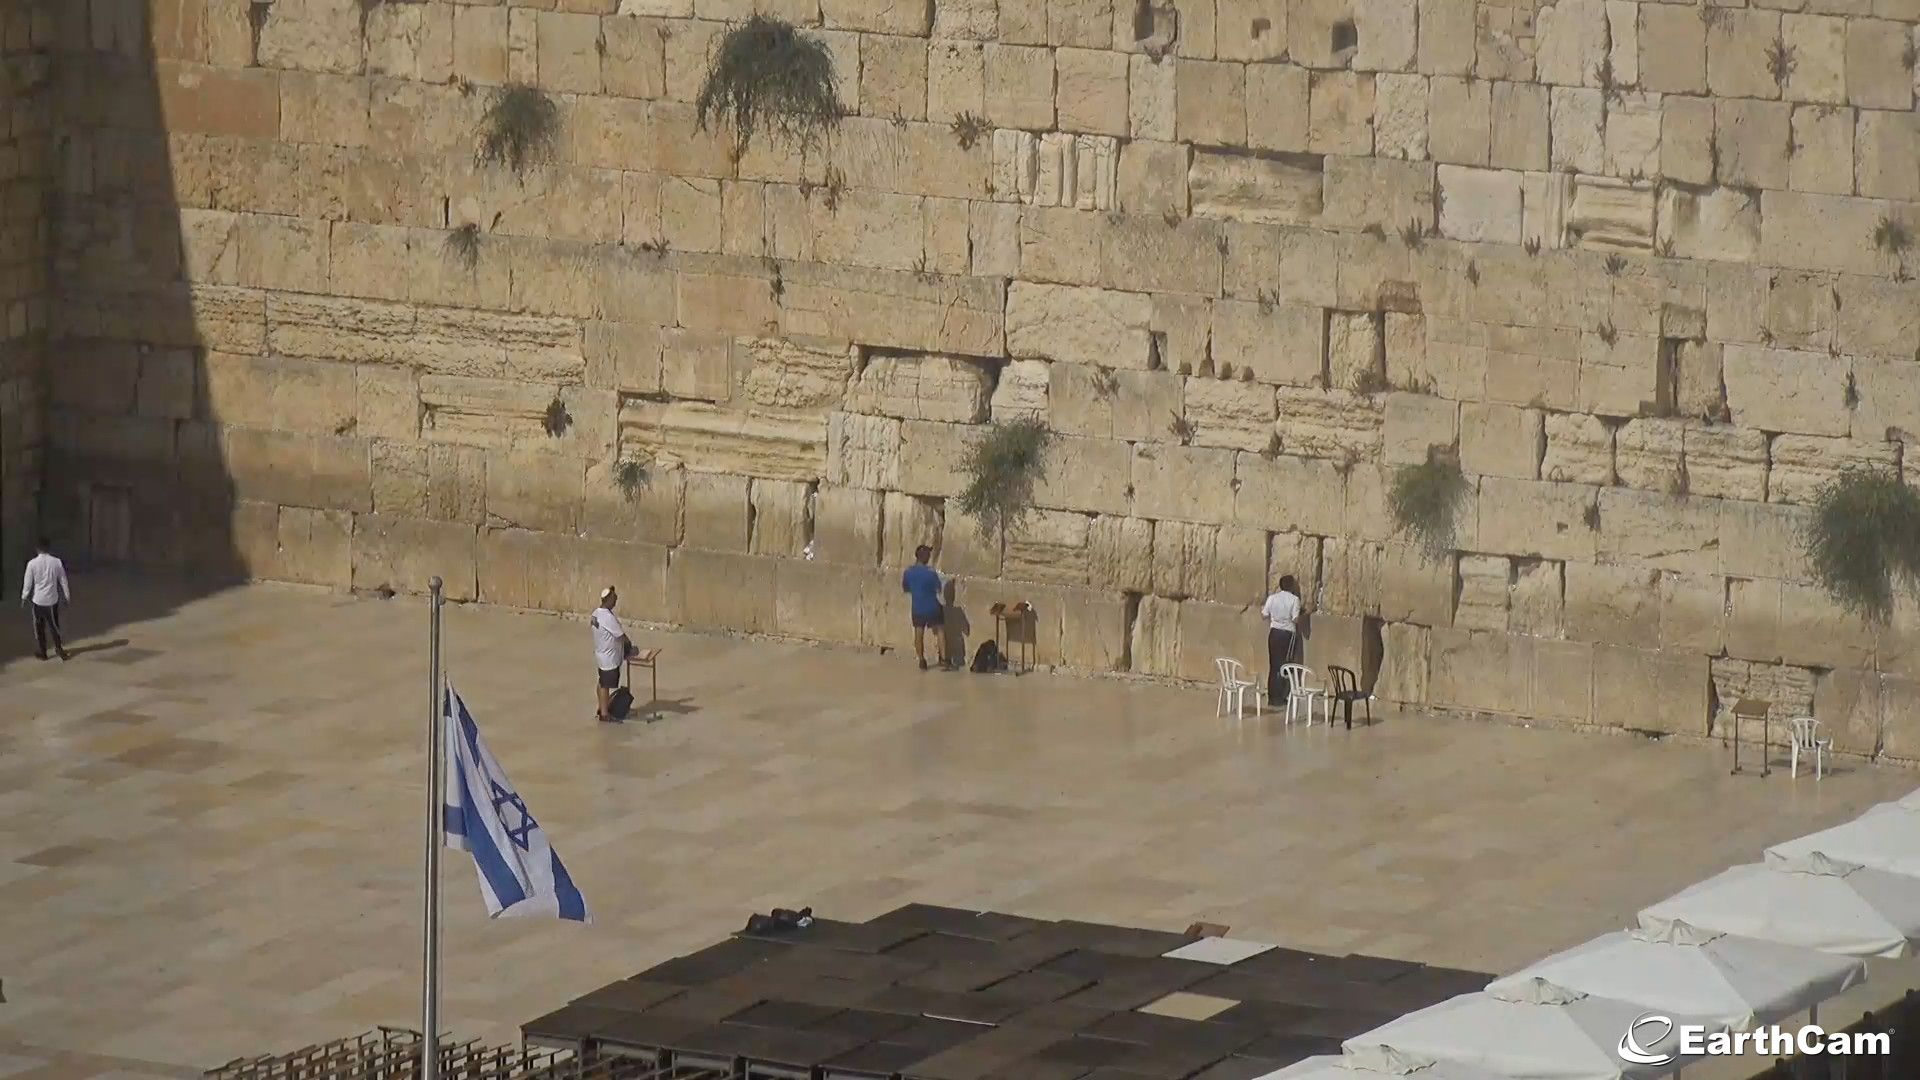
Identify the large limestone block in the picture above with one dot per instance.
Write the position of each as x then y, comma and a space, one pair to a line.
1337, 424
1621, 376
1229, 413
1738, 43
1717, 223
1563, 681
1501, 440
1019, 86
1752, 138
1207, 630
1693, 613
909, 521
712, 590
1183, 559
1090, 476
1240, 567
1481, 672
1879, 75
624, 357
1536, 518
932, 456
539, 491
1650, 690
1610, 214
956, 80
1079, 325
968, 547
315, 547
483, 412
863, 451
1289, 494
1418, 424
1460, 120
1822, 160
1880, 319
1479, 204
1120, 553
886, 612
893, 309
1661, 530
1153, 178
1673, 49
1356, 358
1889, 146
1613, 605
1277, 107
910, 20
918, 387
457, 484
1571, 36
547, 572
893, 77
1281, 343
1147, 256
1849, 705
1726, 462
1802, 464
319, 471
1022, 392
1764, 540
649, 512
696, 365
1091, 91
1633, 135
1387, 31
1819, 44
1211, 105
846, 526
1403, 664
1481, 602
782, 517
400, 479
1816, 631
718, 512
402, 553
817, 601
1648, 455
1284, 189
1521, 127
1578, 119
1786, 390
1093, 630
705, 438
1182, 483
1889, 399
1060, 245
1340, 113
1536, 604
1048, 545
1819, 232
1400, 117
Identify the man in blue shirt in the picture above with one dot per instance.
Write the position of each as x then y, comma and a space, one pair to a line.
922, 582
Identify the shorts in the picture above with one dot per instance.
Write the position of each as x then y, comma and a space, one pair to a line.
610, 680
937, 617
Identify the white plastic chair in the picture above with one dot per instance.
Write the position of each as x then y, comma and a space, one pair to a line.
1805, 732
1233, 689
1302, 693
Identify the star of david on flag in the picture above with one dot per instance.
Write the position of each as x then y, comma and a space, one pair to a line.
485, 817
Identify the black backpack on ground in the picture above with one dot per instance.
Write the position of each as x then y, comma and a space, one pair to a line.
987, 658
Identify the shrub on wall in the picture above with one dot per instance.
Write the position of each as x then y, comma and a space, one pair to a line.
1424, 498
1001, 468
519, 128
767, 76
1865, 535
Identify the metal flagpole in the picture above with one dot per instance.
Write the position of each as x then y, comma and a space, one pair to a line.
430, 981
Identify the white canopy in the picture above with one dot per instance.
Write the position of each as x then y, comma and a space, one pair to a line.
1815, 902
1328, 1067
1887, 837
1532, 1029
1672, 967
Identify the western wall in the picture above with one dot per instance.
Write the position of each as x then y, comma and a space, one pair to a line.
1642, 268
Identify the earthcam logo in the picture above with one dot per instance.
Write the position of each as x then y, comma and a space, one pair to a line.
1644, 1040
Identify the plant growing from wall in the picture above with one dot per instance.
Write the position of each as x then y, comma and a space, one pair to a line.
630, 475
1424, 498
462, 246
1001, 468
556, 420
1781, 61
1891, 237
767, 76
1863, 538
519, 128
968, 128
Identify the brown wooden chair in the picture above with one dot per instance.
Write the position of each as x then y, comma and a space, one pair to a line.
1346, 691
650, 660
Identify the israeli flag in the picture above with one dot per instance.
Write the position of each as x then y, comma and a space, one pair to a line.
485, 817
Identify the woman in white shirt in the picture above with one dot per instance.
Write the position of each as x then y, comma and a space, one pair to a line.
1281, 611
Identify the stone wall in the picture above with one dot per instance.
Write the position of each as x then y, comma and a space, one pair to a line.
26, 170
1642, 264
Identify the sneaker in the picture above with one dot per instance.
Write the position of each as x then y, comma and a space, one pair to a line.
43, 656
63, 656
923, 664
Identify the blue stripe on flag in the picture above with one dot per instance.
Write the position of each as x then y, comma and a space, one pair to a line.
501, 879
572, 904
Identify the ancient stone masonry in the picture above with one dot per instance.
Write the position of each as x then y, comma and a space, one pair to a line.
26, 175
1644, 269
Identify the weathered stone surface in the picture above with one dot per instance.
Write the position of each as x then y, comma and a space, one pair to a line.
1356, 358
931, 456
1120, 553
1283, 494
1613, 605
1501, 440
1479, 204
1022, 392
1336, 424
1726, 462
1802, 464
1647, 455
1087, 475
909, 521
863, 451
1417, 425
705, 438
399, 553
1479, 671
1279, 342
1276, 190
1403, 664
1230, 413
1655, 691
916, 387
1537, 519
1079, 325
1049, 545
1786, 390
894, 310
1665, 531
1481, 603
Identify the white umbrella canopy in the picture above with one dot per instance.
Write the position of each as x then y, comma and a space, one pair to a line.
1328, 1067
1814, 901
1533, 1029
1676, 968
1886, 837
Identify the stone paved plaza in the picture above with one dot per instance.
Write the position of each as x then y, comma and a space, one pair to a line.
210, 821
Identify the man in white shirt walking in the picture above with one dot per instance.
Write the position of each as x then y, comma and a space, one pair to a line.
610, 650
1282, 611
44, 590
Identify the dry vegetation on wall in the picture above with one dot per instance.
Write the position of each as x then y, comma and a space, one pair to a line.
767, 76
1864, 539
1424, 499
521, 126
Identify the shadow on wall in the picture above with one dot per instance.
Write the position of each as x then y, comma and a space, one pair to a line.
135, 473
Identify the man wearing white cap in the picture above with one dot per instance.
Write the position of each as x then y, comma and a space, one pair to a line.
610, 649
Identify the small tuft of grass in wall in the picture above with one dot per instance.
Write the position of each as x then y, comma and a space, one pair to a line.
1909, 55
1180, 428
1616, 265
1371, 380
520, 127
462, 246
768, 77
834, 184
1424, 500
557, 419
1608, 335
1891, 236
1413, 236
1532, 245
1002, 467
1105, 382
1781, 61
1375, 230
631, 476
968, 128
1473, 272
1864, 539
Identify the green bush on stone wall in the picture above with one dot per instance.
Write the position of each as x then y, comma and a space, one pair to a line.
767, 76
1424, 498
1863, 538
520, 127
1001, 468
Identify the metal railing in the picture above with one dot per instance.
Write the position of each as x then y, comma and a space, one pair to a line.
395, 1054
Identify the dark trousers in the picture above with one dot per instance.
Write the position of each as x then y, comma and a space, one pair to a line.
46, 620
1279, 651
